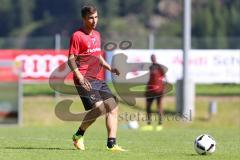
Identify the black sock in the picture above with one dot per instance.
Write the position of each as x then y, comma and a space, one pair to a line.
80, 132
111, 142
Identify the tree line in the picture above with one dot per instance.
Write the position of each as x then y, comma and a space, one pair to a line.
215, 22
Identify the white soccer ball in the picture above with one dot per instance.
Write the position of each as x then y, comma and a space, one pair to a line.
133, 125
204, 144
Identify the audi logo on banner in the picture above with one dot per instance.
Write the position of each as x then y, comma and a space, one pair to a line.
41, 66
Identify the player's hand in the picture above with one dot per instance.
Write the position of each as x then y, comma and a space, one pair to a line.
85, 84
115, 71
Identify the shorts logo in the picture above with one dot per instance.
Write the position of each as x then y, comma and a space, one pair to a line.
92, 97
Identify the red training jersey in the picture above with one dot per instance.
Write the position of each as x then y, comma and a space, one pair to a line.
155, 83
87, 49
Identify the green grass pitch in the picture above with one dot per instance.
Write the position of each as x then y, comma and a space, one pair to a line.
44, 137
45, 143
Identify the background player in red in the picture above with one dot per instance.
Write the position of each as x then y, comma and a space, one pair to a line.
155, 88
86, 62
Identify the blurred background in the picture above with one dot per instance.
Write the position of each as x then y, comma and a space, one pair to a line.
34, 40
29, 24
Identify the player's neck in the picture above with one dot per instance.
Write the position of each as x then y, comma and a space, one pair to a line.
87, 30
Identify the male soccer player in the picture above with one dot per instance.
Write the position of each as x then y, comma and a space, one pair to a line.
155, 88
86, 61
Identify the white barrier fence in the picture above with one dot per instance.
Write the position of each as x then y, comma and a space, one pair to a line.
206, 66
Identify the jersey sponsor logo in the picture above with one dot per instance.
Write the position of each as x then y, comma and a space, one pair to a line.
93, 50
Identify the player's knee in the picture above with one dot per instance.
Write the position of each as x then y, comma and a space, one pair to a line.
100, 109
114, 111
111, 105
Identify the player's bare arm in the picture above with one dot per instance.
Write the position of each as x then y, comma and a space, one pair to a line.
108, 67
72, 64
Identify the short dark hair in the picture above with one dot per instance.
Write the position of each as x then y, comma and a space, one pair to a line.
88, 9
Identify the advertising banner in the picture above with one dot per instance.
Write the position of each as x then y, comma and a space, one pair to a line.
37, 65
205, 66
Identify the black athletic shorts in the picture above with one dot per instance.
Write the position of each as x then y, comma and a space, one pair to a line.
99, 92
151, 96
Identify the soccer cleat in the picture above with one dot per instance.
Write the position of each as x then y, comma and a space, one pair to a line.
78, 142
147, 128
159, 128
116, 148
